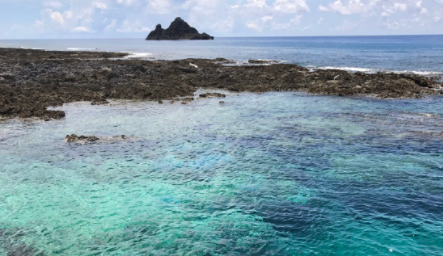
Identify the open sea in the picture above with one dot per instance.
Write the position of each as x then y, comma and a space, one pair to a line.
280, 173
418, 54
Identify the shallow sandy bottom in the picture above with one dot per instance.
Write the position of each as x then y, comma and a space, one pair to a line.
262, 174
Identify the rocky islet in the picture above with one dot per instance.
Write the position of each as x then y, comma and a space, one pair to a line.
178, 30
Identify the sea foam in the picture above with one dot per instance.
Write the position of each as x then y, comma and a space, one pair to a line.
372, 70
81, 49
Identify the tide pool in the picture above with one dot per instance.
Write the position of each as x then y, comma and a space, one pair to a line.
262, 174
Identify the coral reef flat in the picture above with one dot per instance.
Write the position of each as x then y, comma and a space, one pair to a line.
33, 80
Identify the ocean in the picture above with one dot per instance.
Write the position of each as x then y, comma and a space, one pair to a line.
278, 173
418, 54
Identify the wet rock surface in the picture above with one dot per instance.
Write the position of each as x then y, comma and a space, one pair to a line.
76, 139
34, 80
212, 95
92, 139
262, 62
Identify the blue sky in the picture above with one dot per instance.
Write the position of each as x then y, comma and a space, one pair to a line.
23, 19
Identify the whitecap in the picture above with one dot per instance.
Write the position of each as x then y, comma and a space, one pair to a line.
138, 55
352, 69
371, 70
30, 48
422, 73
81, 49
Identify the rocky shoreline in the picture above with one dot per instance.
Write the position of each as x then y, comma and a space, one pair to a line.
33, 80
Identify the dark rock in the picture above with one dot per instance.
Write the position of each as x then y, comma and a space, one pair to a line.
435, 86
188, 70
54, 114
224, 76
212, 95
262, 61
74, 138
222, 102
43, 84
97, 103
157, 34
7, 76
178, 30
187, 100
140, 68
69, 77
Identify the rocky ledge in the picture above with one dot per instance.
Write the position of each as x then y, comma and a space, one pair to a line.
178, 30
32, 80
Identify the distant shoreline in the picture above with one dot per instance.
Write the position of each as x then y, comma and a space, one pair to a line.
33, 80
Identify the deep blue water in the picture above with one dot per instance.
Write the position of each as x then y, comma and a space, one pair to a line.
364, 53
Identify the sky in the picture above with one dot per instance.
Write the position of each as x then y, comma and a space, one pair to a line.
60, 19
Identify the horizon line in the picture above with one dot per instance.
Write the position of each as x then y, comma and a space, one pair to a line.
104, 38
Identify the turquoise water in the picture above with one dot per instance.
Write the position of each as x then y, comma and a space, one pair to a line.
417, 54
263, 174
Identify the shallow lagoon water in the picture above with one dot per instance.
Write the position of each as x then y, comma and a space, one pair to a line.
262, 174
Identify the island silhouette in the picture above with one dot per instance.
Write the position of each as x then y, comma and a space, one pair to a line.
178, 30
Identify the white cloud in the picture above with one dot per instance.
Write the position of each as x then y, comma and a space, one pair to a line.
132, 27
203, 7
230, 17
291, 6
111, 26
290, 25
266, 18
38, 25
53, 4
392, 14
81, 29
352, 7
254, 26
262, 15
256, 3
346, 25
57, 17
223, 25
128, 2
101, 6
159, 6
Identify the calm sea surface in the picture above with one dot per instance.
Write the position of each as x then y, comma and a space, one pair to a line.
264, 174
366, 53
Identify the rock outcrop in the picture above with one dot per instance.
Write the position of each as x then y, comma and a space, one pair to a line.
212, 95
178, 30
33, 81
74, 138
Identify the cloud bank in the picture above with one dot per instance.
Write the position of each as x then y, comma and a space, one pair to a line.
135, 18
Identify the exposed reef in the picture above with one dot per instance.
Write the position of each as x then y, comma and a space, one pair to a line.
212, 95
76, 139
73, 138
178, 30
33, 80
